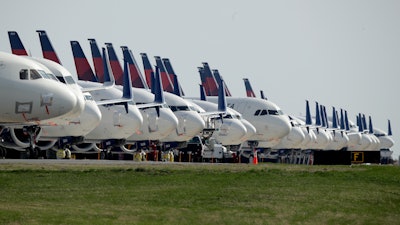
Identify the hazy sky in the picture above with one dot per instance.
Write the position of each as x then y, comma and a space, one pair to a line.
341, 53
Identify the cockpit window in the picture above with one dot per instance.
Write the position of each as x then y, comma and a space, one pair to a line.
263, 112
23, 74
257, 112
273, 112
35, 75
60, 78
69, 80
179, 108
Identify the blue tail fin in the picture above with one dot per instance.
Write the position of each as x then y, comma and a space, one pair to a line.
158, 95
115, 65
322, 111
148, 69
107, 74
177, 89
249, 89
97, 60
221, 96
389, 129
47, 49
202, 93
334, 118
218, 79
211, 83
172, 74
371, 128
346, 120
136, 76
364, 122
83, 69
342, 123
167, 83
17, 48
317, 115
308, 114
127, 84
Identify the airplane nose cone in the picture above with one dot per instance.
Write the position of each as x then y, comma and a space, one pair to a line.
90, 118
250, 130
135, 118
65, 102
194, 124
231, 132
386, 142
280, 125
167, 121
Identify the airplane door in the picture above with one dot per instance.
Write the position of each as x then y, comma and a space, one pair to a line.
181, 125
153, 121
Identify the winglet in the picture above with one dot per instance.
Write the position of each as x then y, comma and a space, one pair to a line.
334, 118
115, 65
127, 84
136, 76
364, 122
360, 123
17, 48
371, 128
249, 89
83, 69
97, 60
47, 49
308, 114
317, 115
221, 97
389, 129
158, 95
148, 69
326, 118
322, 115
107, 73
346, 120
262, 95
342, 122
202, 93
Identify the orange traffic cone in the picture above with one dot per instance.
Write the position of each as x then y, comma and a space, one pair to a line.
255, 158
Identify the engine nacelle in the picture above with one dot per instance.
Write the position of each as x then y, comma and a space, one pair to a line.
19, 138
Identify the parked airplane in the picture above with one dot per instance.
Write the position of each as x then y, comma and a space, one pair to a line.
158, 119
32, 99
268, 119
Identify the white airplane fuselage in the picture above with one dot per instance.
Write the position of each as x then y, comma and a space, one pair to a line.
270, 123
29, 98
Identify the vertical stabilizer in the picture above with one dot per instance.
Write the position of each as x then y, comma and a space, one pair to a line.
47, 49
177, 89
249, 89
334, 118
346, 120
172, 74
308, 114
202, 93
148, 69
389, 128
166, 81
83, 69
221, 96
17, 48
158, 95
210, 80
97, 60
217, 77
108, 76
371, 128
317, 115
136, 76
342, 122
115, 65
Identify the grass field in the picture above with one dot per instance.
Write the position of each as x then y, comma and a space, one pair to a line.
199, 194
